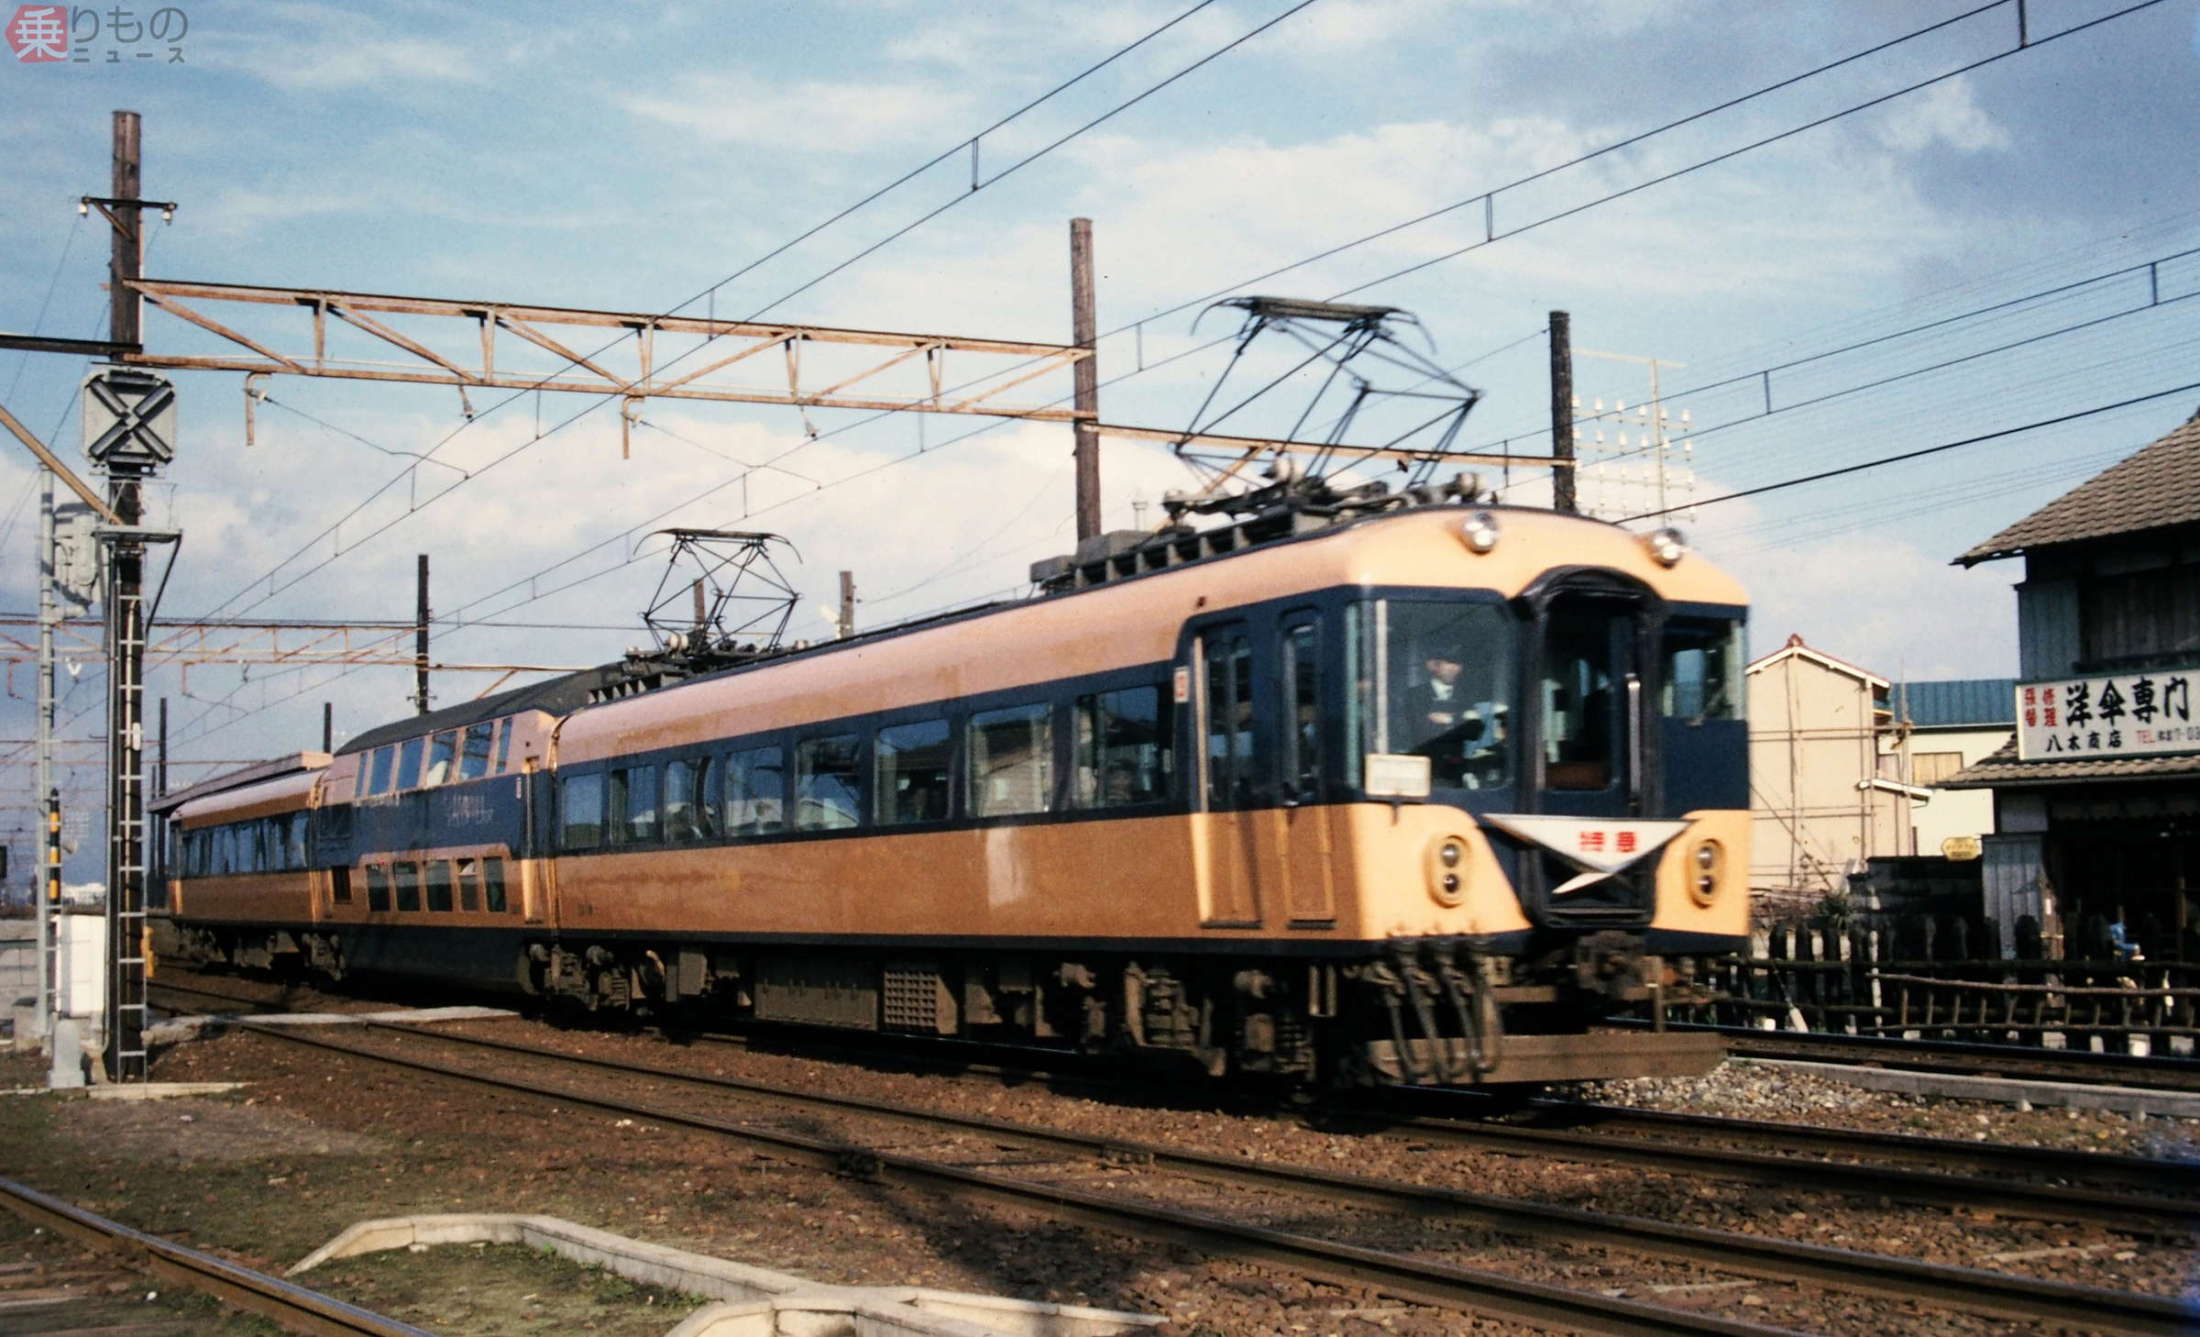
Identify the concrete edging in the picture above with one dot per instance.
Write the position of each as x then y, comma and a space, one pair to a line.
752, 1301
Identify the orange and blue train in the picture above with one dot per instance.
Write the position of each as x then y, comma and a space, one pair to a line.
1431, 794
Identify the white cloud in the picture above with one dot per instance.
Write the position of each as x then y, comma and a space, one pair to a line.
813, 116
1945, 114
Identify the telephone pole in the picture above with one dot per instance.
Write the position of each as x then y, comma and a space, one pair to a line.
847, 624
1084, 329
420, 638
48, 890
1563, 497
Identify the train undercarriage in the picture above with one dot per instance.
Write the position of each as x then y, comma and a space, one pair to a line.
1423, 1011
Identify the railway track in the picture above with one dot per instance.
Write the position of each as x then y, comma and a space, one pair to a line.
1965, 1059
292, 1307
2072, 1185
1880, 1277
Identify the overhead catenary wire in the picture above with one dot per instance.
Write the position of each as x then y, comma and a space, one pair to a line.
1722, 157
713, 288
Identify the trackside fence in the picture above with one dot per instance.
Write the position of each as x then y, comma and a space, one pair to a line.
1852, 980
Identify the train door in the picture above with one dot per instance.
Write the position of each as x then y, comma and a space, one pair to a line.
534, 866
1300, 829
1589, 707
1225, 851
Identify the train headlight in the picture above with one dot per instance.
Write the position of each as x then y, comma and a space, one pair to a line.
1706, 871
1666, 546
1479, 531
1447, 870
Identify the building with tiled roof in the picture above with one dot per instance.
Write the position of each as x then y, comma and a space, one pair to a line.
2097, 797
1942, 727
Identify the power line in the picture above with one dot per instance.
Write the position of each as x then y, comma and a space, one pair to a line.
1846, 469
712, 289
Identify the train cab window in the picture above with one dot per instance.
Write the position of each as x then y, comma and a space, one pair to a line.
1230, 714
437, 874
408, 762
385, 769
442, 756
828, 783
339, 885
1302, 734
492, 884
580, 812
1702, 661
378, 887
1443, 688
755, 785
633, 816
473, 762
1012, 760
688, 809
504, 744
467, 873
911, 772
1123, 752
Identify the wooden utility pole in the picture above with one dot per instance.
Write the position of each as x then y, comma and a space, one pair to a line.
1084, 330
328, 726
1563, 497
847, 625
420, 639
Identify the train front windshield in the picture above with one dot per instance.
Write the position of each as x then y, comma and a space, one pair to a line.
1441, 677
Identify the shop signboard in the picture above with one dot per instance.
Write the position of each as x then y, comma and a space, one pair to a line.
2147, 713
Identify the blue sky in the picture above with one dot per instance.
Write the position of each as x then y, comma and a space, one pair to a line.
631, 158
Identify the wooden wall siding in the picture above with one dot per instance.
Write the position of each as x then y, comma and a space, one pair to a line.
2047, 629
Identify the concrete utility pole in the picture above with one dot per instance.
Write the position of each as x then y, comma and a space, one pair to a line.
420, 639
1084, 329
125, 1030
847, 625
328, 726
1563, 497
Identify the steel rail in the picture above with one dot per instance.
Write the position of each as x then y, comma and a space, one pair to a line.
1996, 1294
1964, 1057
1442, 1285
290, 1305
1945, 1153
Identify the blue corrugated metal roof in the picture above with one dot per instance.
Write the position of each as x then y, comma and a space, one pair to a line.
1956, 702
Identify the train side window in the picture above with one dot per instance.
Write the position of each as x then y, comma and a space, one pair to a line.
755, 787
1302, 738
339, 885
297, 844
580, 812
474, 762
1012, 760
687, 813
408, 762
384, 769
1229, 702
442, 752
504, 743
828, 783
378, 887
405, 877
1123, 752
709, 779
633, 816
437, 874
492, 884
467, 872
911, 772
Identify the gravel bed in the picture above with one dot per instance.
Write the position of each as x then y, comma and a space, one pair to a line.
1745, 1090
